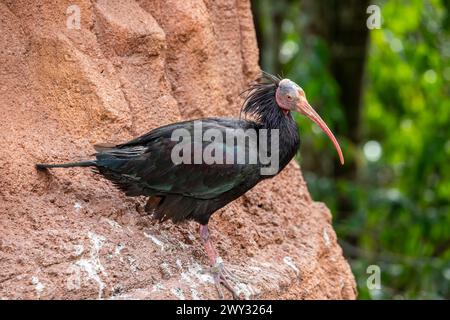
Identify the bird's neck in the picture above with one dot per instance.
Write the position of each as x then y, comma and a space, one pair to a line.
289, 139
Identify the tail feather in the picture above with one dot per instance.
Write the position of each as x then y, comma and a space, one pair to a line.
104, 146
89, 163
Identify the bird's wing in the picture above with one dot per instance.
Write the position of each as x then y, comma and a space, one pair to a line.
145, 166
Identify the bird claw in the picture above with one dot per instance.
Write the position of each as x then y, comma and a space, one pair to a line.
222, 277
220, 274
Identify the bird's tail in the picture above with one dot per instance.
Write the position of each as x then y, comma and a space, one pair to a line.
89, 163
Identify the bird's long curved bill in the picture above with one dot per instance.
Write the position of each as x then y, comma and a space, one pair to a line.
308, 111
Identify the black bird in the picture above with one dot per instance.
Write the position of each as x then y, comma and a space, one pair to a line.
182, 190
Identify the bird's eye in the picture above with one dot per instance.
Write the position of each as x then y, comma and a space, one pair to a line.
289, 97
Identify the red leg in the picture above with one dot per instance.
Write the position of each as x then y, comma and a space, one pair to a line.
217, 268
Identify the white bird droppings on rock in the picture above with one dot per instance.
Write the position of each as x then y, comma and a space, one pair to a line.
194, 294
166, 269
291, 264
178, 292
91, 266
77, 206
38, 286
118, 249
196, 271
78, 249
158, 287
113, 223
245, 289
326, 238
155, 240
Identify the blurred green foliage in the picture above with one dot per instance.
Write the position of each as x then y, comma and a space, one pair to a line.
400, 190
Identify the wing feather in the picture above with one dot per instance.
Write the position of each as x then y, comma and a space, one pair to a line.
143, 166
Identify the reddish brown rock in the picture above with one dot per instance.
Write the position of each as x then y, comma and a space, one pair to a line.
131, 67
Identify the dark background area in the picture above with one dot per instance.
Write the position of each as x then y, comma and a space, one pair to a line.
385, 94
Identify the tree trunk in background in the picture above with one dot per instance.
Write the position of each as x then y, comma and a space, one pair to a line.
269, 35
342, 24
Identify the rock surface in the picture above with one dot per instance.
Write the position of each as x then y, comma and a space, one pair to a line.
133, 66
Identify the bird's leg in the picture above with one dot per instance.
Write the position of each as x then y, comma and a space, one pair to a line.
220, 274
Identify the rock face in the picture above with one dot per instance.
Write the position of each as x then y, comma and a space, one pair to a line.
130, 67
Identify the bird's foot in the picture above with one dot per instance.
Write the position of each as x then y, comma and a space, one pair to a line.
223, 277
